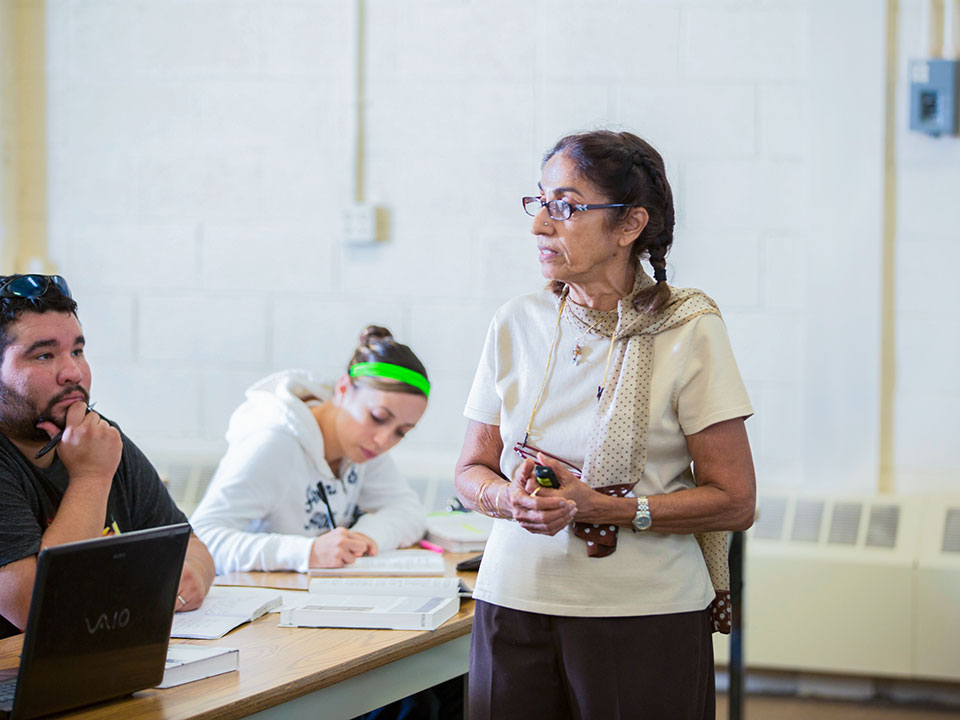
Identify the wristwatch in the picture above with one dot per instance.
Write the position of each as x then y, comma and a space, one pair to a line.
642, 520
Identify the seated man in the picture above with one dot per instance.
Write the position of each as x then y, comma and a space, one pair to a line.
95, 481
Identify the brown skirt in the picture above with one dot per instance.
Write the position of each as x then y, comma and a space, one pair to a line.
650, 667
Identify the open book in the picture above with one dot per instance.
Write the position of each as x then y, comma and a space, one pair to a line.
390, 563
223, 609
186, 663
383, 603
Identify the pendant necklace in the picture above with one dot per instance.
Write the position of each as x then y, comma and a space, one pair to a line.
577, 347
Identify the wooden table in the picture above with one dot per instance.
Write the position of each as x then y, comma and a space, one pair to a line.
300, 672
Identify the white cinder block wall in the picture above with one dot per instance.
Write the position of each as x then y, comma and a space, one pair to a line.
200, 154
927, 291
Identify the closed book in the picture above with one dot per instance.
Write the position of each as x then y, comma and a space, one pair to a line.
186, 663
392, 586
459, 531
372, 611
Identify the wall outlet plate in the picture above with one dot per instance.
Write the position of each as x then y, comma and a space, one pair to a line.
933, 96
359, 224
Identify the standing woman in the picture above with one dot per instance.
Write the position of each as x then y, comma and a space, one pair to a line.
592, 598
306, 481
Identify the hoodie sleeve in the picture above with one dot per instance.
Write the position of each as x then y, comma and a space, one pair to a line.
393, 514
249, 486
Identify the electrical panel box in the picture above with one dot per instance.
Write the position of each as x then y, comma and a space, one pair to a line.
933, 96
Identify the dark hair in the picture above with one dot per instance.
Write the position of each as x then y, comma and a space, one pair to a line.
11, 308
627, 169
377, 345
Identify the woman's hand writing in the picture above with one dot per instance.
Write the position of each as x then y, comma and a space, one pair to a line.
340, 547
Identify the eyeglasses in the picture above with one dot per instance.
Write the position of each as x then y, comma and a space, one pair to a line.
33, 286
530, 451
561, 209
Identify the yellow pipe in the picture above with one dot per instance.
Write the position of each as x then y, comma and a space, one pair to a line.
23, 184
886, 482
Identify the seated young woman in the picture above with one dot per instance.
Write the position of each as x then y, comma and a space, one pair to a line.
301, 451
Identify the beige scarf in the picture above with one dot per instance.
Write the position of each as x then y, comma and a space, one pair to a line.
617, 445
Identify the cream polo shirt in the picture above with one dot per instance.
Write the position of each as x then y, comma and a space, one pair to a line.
695, 384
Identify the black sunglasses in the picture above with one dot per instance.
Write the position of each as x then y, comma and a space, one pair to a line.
33, 286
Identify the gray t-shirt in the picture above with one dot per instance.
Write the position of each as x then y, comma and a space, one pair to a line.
30, 497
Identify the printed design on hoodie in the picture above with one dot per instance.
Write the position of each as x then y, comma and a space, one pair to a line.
315, 510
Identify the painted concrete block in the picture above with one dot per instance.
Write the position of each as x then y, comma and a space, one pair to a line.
320, 332
268, 259
149, 403
228, 330
741, 43
785, 120
724, 265
699, 119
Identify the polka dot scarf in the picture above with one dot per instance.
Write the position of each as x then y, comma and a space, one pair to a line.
617, 445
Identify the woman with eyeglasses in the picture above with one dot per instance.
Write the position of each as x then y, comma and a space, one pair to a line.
306, 480
598, 598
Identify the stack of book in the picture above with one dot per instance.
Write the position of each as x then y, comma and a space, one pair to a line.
459, 531
377, 602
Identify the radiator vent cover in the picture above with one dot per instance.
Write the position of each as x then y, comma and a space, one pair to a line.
771, 514
882, 529
807, 518
951, 531
845, 523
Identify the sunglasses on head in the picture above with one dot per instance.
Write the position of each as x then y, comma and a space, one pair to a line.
33, 286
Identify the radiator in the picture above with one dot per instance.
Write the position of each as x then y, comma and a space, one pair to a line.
854, 585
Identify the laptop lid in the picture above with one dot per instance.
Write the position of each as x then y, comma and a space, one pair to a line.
99, 621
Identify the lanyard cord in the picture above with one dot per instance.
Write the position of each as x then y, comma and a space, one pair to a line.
546, 370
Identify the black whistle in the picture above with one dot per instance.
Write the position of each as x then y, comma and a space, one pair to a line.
546, 477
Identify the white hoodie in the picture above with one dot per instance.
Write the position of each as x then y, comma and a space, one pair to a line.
262, 510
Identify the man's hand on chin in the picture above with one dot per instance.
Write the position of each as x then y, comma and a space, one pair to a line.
90, 447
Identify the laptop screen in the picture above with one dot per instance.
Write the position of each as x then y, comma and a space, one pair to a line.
99, 621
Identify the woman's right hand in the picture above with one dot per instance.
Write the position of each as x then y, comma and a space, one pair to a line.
340, 547
541, 514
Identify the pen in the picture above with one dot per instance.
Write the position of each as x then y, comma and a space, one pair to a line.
427, 545
52, 442
322, 491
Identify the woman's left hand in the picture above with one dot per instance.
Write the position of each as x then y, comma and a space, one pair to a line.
537, 513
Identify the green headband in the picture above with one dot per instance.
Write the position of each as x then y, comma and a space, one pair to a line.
394, 372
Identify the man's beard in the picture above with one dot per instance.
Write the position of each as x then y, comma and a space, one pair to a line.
19, 415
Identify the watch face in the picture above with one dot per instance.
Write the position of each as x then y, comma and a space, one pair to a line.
642, 522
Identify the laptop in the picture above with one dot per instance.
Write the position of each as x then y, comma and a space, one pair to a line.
99, 621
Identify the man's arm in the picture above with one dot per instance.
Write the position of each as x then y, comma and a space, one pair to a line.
16, 586
90, 450
197, 576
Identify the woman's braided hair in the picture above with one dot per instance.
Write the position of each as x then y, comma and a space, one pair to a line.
627, 169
